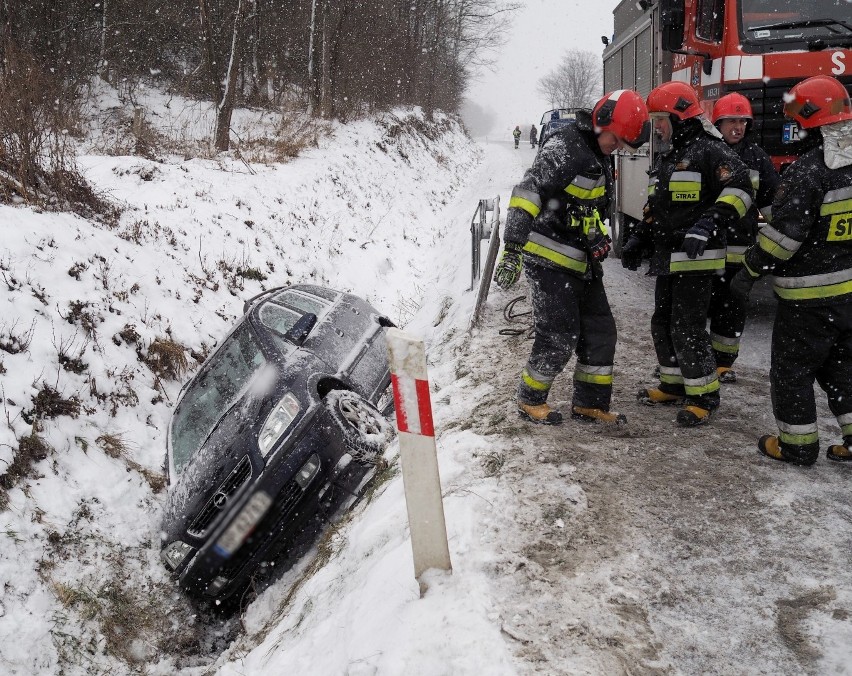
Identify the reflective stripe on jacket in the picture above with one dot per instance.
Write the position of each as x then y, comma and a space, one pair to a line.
808, 245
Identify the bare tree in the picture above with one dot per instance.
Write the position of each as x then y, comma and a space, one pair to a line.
576, 81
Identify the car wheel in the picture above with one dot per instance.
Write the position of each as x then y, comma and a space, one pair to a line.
365, 430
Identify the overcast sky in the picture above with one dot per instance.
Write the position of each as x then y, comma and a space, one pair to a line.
540, 35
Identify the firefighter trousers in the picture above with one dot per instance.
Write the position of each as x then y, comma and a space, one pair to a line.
569, 314
727, 319
679, 331
810, 343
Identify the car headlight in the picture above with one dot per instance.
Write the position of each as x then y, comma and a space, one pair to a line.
277, 422
175, 554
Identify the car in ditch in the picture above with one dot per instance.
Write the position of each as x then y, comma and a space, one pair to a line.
281, 428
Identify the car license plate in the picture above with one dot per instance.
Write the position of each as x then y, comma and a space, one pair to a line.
790, 132
240, 528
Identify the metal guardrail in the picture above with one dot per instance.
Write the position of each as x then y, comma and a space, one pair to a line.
483, 227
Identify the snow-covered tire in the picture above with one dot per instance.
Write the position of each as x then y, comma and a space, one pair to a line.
366, 432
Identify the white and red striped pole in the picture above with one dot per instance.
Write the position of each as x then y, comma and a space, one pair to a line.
418, 454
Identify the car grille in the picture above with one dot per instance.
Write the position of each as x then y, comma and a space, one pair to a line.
270, 528
238, 476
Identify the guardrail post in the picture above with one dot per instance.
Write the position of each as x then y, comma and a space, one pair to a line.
418, 453
492, 232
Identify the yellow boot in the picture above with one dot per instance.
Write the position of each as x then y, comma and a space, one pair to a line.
542, 414
598, 415
654, 395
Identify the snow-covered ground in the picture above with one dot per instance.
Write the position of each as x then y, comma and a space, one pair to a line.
574, 550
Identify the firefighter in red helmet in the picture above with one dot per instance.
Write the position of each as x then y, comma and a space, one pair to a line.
555, 233
697, 188
733, 118
808, 249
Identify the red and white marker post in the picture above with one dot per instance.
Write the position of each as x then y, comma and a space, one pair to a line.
418, 454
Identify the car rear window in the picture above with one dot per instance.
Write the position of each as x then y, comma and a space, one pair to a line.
213, 392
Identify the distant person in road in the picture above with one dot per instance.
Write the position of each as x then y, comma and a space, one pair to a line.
808, 249
554, 232
697, 188
733, 118
516, 133
533, 136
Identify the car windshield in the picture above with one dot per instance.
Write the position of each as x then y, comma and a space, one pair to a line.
213, 393
796, 20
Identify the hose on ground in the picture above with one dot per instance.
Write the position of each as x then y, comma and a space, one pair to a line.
512, 317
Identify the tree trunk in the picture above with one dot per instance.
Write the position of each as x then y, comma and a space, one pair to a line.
209, 56
329, 53
103, 66
229, 96
313, 81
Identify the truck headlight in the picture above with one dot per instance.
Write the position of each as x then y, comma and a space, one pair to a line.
175, 554
277, 422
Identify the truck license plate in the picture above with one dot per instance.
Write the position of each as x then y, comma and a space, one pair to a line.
790, 132
240, 528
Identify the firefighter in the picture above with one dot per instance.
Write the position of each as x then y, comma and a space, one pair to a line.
554, 232
808, 248
516, 134
697, 188
733, 118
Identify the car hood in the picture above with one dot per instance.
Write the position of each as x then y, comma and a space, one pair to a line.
233, 438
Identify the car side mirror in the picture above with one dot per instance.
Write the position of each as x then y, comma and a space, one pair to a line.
299, 332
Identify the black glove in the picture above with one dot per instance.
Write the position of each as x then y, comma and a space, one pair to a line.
696, 237
741, 285
631, 253
599, 246
509, 268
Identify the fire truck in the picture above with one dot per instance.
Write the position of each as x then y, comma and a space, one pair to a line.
759, 48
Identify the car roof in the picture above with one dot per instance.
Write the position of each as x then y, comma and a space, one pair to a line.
564, 114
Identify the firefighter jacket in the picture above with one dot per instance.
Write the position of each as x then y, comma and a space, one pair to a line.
764, 181
808, 244
557, 207
700, 177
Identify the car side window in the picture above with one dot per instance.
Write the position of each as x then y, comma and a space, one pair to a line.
278, 318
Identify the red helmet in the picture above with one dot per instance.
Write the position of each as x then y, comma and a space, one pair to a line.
819, 100
732, 106
623, 113
676, 98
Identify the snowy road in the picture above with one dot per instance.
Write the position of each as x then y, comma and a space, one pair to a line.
658, 550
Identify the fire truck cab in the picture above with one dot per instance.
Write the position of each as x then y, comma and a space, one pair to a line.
759, 48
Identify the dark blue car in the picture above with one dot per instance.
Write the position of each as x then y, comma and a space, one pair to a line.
279, 429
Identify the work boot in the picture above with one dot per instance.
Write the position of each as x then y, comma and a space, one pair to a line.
840, 452
693, 416
542, 414
598, 414
726, 374
654, 395
770, 446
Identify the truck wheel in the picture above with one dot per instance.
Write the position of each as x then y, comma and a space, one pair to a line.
621, 227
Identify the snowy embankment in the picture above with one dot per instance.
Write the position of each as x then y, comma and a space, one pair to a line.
101, 323
575, 550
